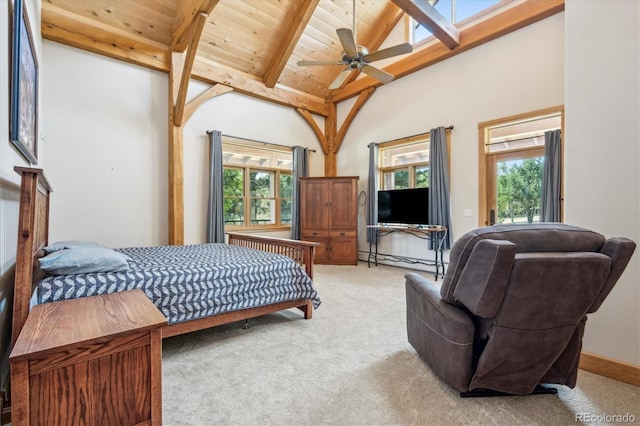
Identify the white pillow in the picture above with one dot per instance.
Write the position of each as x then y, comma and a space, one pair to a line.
84, 261
61, 245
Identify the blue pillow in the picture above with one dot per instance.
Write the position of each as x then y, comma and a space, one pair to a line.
84, 261
61, 245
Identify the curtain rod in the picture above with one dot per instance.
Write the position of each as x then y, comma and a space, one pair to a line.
409, 137
256, 141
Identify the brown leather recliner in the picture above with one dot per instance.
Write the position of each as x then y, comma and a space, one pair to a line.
512, 308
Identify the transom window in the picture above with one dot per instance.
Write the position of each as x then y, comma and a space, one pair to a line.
257, 184
405, 163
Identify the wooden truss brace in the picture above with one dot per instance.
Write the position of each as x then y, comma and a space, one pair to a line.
332, 138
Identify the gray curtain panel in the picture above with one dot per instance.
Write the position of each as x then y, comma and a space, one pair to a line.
300, 169
372, 193
552, 166
439, 195
215, 214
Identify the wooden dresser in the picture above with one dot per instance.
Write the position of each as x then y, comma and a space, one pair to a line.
329, 216
95, 360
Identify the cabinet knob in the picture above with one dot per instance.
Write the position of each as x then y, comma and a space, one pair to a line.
342, 234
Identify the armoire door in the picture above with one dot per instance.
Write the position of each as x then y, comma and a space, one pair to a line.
344, 211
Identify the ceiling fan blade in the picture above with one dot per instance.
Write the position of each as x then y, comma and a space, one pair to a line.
399, 49
312, 63
340, 79
348, 42
378, 74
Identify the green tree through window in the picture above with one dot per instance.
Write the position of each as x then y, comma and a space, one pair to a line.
519, 190
257, 184
233, 191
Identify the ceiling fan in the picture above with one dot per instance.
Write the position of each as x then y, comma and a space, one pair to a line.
355, 57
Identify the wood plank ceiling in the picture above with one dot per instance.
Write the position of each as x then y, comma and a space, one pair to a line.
252, 46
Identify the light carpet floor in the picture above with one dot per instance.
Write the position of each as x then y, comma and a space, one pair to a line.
349, 365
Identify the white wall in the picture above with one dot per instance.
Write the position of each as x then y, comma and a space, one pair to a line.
507, 76
602, 181
245, 117
106, 143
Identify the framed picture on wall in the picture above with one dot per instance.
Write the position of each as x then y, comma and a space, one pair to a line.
23, 131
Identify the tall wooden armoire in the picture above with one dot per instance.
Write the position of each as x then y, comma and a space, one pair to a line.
329, 216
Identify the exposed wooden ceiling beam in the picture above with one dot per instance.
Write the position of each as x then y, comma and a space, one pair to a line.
384, 25
506, 22
187, 13
71, 29
296, 24
195, 33
427, 15
210, 72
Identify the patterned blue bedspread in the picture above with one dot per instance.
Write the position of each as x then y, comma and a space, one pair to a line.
195, 281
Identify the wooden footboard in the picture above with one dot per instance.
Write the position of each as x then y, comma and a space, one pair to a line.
300, 251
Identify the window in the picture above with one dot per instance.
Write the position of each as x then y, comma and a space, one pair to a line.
257, 184
511, 166
404, 163
455, 11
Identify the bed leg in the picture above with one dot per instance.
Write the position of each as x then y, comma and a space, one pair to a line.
246, 324
307, 310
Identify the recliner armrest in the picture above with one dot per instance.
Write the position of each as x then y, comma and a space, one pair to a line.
441, 310
483, 281
620, 250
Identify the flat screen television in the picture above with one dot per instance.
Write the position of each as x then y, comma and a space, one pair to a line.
407, 206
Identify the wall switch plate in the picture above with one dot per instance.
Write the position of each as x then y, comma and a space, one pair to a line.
467, 212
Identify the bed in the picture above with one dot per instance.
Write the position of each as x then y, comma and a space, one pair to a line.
194, 286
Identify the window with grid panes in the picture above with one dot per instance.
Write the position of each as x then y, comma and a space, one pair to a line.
405, 164
257, 184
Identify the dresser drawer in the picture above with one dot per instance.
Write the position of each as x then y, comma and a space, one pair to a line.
343, 233
315, 233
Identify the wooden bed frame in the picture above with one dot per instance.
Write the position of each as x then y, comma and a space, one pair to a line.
33, 235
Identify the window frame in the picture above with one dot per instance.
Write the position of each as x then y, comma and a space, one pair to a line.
406, 141
246, 189
411, 167
487, 160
